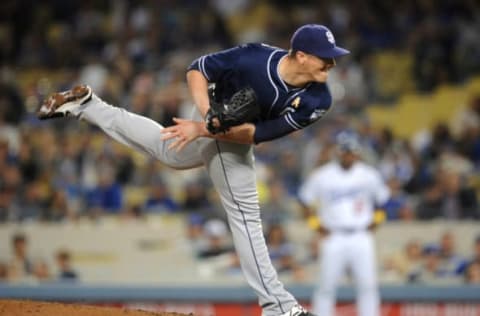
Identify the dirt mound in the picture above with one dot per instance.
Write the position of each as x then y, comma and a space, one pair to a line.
36, 308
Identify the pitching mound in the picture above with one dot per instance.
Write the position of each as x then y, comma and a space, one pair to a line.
33, 308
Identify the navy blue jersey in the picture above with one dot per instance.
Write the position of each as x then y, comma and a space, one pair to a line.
284, 109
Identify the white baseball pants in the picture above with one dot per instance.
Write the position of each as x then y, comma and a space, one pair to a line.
340, 251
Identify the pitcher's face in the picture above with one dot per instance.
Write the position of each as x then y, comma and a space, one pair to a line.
318, 68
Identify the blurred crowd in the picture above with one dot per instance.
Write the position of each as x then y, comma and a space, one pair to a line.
134, 55
425, 261
22, 267
435, 262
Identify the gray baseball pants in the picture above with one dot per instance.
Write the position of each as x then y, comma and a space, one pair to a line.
231, 169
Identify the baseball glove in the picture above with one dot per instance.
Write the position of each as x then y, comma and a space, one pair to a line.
241, 108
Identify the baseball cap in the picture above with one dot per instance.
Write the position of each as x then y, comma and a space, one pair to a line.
318, 40
348, 142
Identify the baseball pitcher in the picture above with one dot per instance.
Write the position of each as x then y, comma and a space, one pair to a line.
261, 93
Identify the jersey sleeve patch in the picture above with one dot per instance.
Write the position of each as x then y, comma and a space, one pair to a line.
309, 108
317, 114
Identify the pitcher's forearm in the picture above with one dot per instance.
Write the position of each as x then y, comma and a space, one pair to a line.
242, 134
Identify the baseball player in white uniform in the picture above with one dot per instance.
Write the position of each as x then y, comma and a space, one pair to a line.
345, 192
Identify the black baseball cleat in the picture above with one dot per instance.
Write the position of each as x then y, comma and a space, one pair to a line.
298, 310
60, 104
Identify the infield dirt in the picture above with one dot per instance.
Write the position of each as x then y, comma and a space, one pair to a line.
38, 308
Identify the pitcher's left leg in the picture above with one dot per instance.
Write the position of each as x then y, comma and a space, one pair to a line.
232, 171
